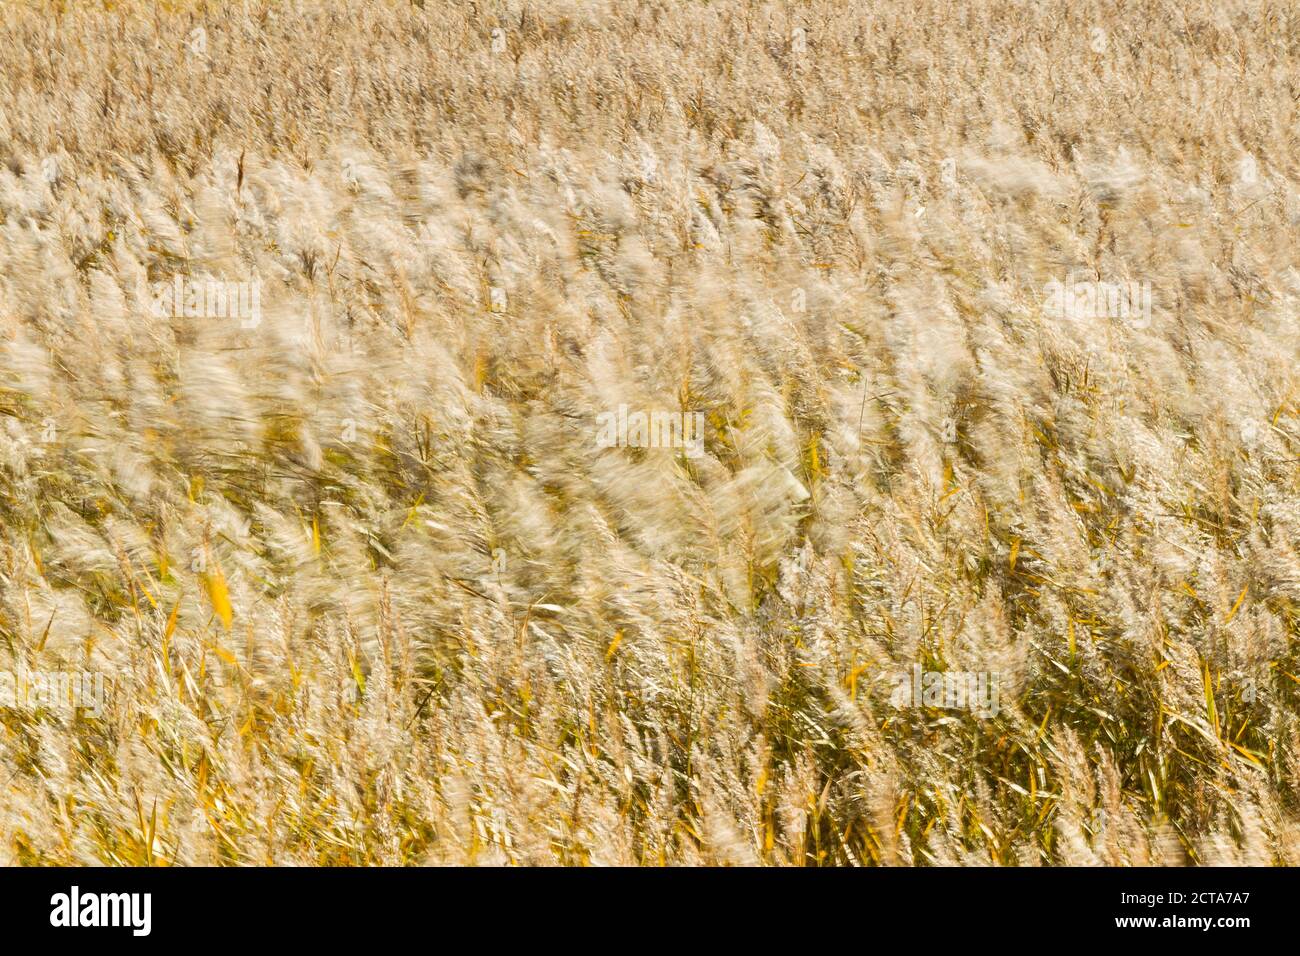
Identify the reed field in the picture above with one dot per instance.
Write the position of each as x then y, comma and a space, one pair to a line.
580, 432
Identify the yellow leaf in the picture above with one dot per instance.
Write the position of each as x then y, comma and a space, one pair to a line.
171, 622
613, 646
414, 508
853, 680
219, 595
1248, 754
359, 677
480, 371
1236, 607
1211, 712
1015, 551
45, 635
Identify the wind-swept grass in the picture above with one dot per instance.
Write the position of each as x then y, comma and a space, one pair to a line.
366, 589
